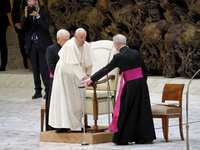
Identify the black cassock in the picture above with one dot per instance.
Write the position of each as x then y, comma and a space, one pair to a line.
135, 120
52, 59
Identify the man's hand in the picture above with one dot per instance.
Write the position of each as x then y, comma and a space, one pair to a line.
87, 81
86, 77
34, 13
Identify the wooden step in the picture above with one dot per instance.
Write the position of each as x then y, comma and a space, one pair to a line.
77, 137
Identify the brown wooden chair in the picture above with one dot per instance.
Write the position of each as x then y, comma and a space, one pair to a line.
171, 92
43, 110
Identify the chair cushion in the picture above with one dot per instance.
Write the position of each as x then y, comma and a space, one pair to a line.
165, 110
100, 94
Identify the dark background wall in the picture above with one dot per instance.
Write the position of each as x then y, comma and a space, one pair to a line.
166, 32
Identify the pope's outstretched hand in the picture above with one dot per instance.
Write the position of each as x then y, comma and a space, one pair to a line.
87, 81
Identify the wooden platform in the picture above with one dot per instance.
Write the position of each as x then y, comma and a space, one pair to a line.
76, 137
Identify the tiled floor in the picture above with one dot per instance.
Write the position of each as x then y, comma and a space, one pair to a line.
20, 117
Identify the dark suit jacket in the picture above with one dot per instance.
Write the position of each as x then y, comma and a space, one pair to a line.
41, 27
18, 8
4, 9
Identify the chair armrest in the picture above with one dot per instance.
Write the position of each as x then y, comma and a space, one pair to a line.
110, 77
94, 85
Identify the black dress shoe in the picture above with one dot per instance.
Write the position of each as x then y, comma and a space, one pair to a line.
45, 96
144, 142
26, 67
81, 130
2, 69
87, 126
122, 143
36, 95
62, 130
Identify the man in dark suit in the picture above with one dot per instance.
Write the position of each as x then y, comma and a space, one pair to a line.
36, 25
52, 59
17, 15
4, 9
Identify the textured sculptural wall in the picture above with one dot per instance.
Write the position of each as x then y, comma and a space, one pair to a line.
166, 32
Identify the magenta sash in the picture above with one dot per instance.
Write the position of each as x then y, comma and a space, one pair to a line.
127, 76
51, 75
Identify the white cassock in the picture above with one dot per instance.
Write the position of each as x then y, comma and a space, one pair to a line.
66, 104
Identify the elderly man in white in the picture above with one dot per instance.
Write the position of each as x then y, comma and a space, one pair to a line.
74, 65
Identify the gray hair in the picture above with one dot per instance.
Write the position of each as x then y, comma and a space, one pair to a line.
36, 1
61, 31
78, 30
121, 39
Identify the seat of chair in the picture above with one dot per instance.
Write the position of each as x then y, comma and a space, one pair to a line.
100, 94
165, 110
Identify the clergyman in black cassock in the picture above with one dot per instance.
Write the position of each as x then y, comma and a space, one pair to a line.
52, 59
135, 122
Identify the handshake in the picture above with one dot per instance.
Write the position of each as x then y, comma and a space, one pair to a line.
87, 81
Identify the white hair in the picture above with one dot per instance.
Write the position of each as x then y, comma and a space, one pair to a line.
78, 30
121, 39
62, 31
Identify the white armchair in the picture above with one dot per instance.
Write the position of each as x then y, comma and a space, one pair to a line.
96, 102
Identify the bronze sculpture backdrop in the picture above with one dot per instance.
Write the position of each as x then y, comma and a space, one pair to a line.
166, 32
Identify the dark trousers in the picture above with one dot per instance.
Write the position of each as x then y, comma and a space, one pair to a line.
39, 66
3, 47
21, 38
47, 106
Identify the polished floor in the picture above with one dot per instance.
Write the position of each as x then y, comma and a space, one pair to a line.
20, 117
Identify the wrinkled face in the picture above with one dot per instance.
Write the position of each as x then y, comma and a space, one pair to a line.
116, 45
62, 39
33, 2
80, 38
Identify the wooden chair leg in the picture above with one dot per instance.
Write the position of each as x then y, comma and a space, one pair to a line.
42, 119
95, 115
165, 124
181, 128
86, 121
166, 128
95, 125
163, 127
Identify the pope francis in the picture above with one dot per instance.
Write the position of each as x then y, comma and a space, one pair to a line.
74, 65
